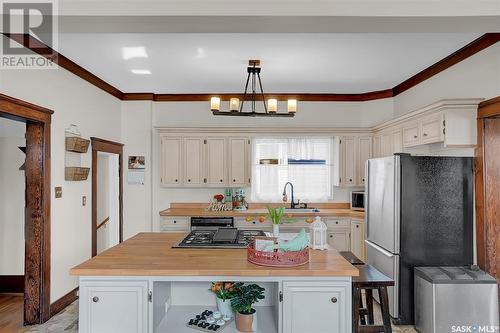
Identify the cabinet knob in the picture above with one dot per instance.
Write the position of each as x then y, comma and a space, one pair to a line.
350, 179
331, 236
415, 136
357, 226
234, 180
189, 180
425, 134
95, 299
175, 221
176, 180
336, 222
334, 299
221, 180
363, 179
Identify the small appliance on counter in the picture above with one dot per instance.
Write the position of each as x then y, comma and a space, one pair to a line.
239, 202
358, 200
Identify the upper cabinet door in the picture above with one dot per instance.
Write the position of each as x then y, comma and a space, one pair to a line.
349, 160
376, 146
171, 161
411, 135
386, 144
238, 161
193, 161
397, 142
432, 129
364, 153
216, 161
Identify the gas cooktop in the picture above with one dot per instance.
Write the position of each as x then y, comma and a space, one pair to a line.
220, 238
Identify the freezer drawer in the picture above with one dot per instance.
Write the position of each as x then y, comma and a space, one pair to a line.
388, 264
383, 202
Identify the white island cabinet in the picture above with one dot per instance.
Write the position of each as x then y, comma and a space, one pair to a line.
145, 286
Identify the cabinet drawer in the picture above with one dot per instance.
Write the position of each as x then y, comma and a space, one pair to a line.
431, 129
174, 223
251, 223
332, 222
411, 135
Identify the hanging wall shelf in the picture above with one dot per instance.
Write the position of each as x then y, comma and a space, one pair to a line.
75, 146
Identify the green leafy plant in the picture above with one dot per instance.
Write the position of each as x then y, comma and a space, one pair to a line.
223, 290
246, 296
276, 214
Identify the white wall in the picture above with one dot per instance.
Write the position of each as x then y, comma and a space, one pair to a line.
12, 184
96, 113
475, 77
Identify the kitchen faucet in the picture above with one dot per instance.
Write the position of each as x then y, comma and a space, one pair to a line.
293, 204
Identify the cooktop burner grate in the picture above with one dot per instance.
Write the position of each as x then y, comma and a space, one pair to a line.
221, 238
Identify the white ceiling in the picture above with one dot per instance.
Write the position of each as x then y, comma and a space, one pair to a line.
204, 63
11, 128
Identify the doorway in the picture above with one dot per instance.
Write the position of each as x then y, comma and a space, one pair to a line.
107, 194
36, 286
487, 180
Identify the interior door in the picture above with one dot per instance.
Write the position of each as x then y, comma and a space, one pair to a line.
382, 207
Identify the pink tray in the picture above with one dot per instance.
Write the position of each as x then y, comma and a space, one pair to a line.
277, 258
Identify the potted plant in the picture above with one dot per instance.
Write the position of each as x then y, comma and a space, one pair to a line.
224, 291
276, 214
244, 298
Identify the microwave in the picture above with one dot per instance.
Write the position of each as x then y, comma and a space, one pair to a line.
358, 200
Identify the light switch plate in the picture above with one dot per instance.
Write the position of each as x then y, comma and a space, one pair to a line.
84, 200
58, 190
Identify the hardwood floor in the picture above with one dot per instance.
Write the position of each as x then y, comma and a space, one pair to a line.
11, 313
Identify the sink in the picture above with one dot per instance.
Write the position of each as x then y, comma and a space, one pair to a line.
301, 210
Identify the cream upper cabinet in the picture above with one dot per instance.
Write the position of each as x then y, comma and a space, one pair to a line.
215, 149
364, 153
171, 161
397, 141
349, 160
386, 144
376, 146
358, 239
193, 161
432, 129
411, 135
239, 161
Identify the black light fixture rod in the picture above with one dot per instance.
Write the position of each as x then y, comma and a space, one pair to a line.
245, 93
262, 92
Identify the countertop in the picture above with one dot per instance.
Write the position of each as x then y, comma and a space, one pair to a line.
151, 254
341, 212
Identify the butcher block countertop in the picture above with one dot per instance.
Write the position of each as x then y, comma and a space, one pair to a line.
256, 210
151, 254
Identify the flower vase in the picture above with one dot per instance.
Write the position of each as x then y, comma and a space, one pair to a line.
276, 230
224, 307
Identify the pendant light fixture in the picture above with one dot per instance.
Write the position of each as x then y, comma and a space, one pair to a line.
236, 107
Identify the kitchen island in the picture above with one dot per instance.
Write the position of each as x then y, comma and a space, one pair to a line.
145, 285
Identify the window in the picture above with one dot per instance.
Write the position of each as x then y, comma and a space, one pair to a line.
306, 162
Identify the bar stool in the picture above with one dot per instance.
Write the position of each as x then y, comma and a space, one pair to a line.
369, 279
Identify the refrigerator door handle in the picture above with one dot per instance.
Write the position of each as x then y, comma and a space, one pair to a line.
380, 249
367, 197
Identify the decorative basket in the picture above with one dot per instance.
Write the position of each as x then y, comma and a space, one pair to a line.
76, 144
277, 258
76, 173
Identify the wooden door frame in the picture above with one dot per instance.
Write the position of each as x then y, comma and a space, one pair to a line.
101, 145
37, 210
486, 260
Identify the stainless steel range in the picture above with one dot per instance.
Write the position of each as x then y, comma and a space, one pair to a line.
228, 238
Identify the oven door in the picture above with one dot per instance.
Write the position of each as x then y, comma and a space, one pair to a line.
211, 222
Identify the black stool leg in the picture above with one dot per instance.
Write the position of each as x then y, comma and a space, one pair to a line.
384, 305
356, 293
361, 315
369, 305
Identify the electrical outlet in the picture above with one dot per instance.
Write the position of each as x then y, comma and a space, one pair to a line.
84, 200
58, 190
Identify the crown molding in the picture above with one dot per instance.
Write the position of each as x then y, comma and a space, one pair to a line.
463, 53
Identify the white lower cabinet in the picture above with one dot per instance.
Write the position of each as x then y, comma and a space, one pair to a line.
316, 307
113, 306
339, 240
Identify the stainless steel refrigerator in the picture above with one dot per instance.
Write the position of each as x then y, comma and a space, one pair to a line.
419, 212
